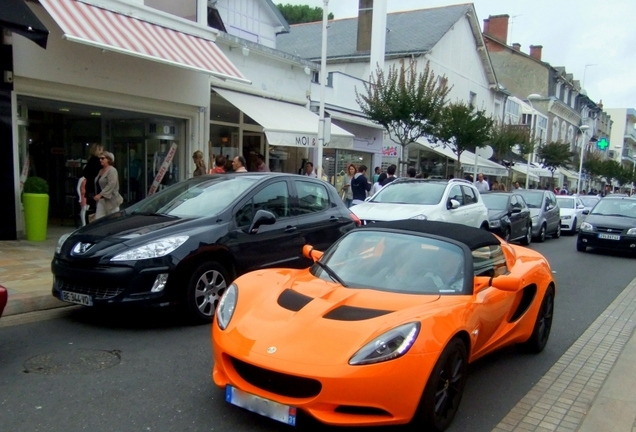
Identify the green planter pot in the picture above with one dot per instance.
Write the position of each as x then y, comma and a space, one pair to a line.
36, 215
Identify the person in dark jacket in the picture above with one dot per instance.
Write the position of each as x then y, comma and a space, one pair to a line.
360, 185
91, 170
390, 175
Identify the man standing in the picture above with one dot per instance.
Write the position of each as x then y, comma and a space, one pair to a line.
360, 186
376, 175
411, 172
517, 186
238, 164
481, 184
260, 163
390, 175
309, 170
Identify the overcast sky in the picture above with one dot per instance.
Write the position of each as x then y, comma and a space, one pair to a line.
573, 34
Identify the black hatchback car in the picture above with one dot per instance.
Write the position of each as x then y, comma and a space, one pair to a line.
508, 216
185, 244
610, 225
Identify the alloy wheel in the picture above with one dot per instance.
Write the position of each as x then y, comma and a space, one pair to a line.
545, 318
209, 289
449, 386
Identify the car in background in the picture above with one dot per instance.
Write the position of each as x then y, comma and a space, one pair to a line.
381, 329
187, 243
508, 216
545, 213
457, 201
571, 211
610, 225
589, 201
3, 299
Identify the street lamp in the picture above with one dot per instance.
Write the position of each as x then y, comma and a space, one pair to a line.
582, 129
531, 97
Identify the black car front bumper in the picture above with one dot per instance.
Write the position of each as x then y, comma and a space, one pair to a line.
103, 285
591, 239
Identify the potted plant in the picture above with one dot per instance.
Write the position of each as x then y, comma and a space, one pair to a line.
35, 199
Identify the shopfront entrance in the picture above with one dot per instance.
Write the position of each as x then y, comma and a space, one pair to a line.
54, 139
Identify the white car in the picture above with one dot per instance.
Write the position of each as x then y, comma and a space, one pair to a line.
456, 201
571, 209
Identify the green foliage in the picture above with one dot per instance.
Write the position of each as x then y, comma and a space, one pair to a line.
612, 170
554, 155
36, 185
505, 136
407, 103
296, 14
463, 127
593, 165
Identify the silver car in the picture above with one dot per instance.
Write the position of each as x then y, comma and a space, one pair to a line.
545, 213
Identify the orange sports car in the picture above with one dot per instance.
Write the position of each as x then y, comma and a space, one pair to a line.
380, 330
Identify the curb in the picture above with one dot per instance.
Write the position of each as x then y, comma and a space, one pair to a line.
31, 302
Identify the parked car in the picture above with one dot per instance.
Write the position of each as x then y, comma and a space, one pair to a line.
3, 299
185, 244
381, 329
589, 201
545, 213
508, 216
610, 225
571, 211
456, 201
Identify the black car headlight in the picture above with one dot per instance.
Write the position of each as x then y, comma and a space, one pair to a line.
388, 346
494, 223
587, 227
155, 249
227, 306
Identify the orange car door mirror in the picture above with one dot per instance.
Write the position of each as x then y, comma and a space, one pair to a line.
481, 283
507, 283
311, 253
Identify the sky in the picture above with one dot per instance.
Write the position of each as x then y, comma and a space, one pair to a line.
593, 40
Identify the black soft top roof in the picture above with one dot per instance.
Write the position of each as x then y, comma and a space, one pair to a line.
473, 238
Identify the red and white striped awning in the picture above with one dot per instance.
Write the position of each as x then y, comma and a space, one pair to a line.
95, 26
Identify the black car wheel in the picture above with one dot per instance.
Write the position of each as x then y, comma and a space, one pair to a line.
573, 227
557, 233
541, 236
444, 389
542, 325
207, 285
580, 246
527, 239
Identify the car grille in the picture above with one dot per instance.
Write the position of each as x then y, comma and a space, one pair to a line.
609, 230
276, 382
100, 293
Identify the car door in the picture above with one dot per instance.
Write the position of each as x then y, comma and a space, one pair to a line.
277, 245
472, 208
579, 212
320, 221
457, 215
553, 213
517, 218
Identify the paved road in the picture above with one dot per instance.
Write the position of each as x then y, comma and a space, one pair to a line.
144, 371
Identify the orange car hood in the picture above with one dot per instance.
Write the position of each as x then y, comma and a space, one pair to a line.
305, 336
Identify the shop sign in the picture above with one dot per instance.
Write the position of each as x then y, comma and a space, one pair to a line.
390, 150
305, 141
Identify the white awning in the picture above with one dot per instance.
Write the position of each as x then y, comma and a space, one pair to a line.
569, 174
109, 30
523, 170
350, 118
285, 124
467, 160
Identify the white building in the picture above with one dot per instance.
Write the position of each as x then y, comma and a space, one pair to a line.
623, 136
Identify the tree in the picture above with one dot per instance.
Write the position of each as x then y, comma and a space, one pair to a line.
593, 165
407, 103
505, 136
463, 127
554, 155
296, 14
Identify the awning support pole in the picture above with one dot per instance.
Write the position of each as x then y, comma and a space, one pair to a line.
323, 80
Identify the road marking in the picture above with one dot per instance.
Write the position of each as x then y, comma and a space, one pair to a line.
31, 317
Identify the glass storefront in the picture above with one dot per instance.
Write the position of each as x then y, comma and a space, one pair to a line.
429, 163
57, 137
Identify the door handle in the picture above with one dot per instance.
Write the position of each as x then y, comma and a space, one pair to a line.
290, 228
333, 219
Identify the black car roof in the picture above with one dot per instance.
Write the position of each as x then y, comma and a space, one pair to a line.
473, 238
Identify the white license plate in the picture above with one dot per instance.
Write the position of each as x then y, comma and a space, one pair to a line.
609, 236
265, 407
82, 299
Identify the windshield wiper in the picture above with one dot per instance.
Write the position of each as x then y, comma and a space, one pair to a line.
332, 274
610, 214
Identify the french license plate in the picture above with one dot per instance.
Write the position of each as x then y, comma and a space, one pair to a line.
609, 236
265, 407
82, 299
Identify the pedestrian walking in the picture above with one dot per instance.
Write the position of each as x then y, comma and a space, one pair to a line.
106, 183
219, 165
238, 164
378, 185
360, 186
481, 184
197, 158
346, 185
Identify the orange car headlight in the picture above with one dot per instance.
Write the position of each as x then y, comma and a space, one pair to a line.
388, 346
227, 306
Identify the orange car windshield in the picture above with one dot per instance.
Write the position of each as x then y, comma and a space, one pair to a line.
402, 263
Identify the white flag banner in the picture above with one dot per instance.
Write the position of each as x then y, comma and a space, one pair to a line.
25, 172
163, 169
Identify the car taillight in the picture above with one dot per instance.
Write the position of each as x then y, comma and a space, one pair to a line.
355, 218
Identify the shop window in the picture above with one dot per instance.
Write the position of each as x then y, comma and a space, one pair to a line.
183, 8
312, 197
223, 141
223, 111
287, 159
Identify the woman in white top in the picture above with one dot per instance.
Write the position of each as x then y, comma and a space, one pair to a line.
378, 185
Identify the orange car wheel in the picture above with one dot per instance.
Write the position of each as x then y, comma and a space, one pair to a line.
444, 389
542, 326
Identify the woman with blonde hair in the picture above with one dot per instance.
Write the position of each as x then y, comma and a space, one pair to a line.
197, 157
107, 187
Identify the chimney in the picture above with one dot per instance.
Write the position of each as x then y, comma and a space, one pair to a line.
516, 46
486, 26
365, 25
497, 27
535, 51
600, 104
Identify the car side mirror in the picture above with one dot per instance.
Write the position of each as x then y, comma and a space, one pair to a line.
262, 217
586, 212
481, 283
515, 210
311, 253
452, 204
507, 283
580, 207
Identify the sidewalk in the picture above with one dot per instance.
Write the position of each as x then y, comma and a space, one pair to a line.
25, 270
591, 388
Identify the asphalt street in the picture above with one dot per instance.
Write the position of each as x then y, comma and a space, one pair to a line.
128, 370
